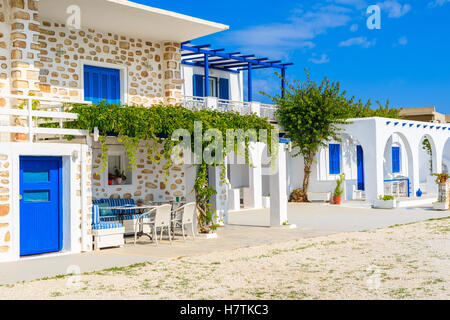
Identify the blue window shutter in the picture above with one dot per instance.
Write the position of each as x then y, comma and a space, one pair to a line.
335, 158
395, 159
198, 86
101, 84
224, 89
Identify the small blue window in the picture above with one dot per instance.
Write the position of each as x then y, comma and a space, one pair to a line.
101, 84
335, 158
36, 176
395, 159
36, 196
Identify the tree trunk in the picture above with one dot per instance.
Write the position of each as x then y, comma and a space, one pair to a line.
307, 173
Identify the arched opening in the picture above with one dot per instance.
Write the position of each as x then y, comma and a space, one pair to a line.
427, 165
398, 167
446, 157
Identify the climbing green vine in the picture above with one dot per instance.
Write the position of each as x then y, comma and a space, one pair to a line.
155, 126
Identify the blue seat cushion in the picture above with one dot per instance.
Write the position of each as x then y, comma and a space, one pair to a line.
105, 212
109, 219
107, 225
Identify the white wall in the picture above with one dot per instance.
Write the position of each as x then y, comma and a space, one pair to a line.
321, 180
236, 81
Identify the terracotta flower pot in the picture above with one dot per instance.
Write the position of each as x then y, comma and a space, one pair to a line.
337, 200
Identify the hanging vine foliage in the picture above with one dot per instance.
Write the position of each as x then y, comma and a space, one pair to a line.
155, 126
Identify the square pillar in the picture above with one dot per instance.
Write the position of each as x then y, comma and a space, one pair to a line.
220, 200
253, 194
234, 199
278, 190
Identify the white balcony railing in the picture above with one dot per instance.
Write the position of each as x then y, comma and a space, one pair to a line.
35, 111
243, 108
194, 103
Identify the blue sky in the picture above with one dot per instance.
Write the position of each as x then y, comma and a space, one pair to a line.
406, 61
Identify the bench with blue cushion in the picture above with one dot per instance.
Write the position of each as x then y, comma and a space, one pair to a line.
98, 224
127, 217
106, 234
115, 214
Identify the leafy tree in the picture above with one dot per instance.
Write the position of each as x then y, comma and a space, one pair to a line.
312, 115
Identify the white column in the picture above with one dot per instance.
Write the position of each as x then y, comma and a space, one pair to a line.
220, 200
374, 168
414, 162
278, 191
253, 194
234, 199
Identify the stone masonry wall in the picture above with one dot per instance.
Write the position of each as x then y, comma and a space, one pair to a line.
24, 50
5, 55
5, 208
153, 69
149, 180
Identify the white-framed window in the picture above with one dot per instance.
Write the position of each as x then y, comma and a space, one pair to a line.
118, 168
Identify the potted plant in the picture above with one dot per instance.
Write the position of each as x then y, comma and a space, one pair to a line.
110, 179
442, 203
441, 177
119, 176
338, 191
385, 202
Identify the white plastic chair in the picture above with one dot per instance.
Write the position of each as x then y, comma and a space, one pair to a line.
185, 215
161, 219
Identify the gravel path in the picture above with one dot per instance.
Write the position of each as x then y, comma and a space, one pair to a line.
402, 262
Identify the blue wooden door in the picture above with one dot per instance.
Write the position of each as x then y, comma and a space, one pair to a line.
40, 205
101, 84
360, 165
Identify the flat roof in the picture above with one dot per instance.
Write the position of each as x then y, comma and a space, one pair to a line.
131, 19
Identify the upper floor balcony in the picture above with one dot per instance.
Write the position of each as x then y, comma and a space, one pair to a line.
241, 107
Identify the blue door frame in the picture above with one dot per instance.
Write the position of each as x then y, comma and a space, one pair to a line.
41, 220
360, 165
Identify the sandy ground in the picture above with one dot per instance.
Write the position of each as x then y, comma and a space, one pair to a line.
402, 262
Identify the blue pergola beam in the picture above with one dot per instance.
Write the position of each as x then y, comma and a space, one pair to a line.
231, 63
196, 64
206, 75
250, 84
231, 57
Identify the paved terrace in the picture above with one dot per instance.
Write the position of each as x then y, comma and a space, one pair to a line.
247, 229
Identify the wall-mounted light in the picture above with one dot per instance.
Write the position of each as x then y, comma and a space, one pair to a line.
75, 155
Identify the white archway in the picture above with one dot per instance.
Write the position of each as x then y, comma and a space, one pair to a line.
398, 166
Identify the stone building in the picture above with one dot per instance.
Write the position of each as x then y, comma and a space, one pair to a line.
63, 50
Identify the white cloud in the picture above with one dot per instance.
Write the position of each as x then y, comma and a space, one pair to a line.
354, 28
394, 8
323, 59
358, 41
437, 3
300, 30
